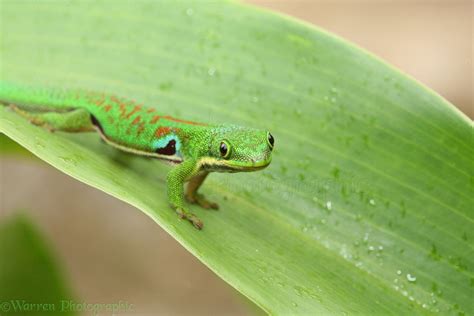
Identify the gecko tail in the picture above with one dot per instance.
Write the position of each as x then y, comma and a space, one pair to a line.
33, 98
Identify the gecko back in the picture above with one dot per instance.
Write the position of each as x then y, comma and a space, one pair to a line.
124, 123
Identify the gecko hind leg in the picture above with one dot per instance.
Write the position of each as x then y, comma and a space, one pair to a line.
74, 121
192, 196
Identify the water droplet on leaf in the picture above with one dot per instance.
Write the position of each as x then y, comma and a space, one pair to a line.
211, 72
411, 278
329, 205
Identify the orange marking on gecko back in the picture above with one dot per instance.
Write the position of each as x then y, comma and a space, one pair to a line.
150, 110
99, 102
160, 131
135, 110
107, 108
141, 128
123, 110
113, 98
155, 119
136, 120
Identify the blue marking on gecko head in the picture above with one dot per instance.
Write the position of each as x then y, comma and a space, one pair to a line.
169, 145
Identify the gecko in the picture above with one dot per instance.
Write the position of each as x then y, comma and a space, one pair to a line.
195, 149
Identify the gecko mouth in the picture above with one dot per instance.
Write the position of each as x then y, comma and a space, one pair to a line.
229, 167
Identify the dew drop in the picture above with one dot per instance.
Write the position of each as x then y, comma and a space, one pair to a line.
372, 202
39, 142
189, 12
399, 272
411, 278
366, 237
68, 160
329, 205
294, 304
299, 290
211, 72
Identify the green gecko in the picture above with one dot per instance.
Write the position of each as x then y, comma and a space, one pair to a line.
195, 148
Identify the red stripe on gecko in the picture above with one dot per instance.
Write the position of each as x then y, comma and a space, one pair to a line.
160, 131
155, 119
123, 110
183, 121
141, 128
136, 120
99, 102
135, 110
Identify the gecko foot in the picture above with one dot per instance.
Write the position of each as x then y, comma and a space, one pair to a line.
200, 200
193, 219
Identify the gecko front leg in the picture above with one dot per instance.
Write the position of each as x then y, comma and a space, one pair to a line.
175, 182
192, 196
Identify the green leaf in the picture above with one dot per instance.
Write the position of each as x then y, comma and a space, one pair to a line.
31, 282
367, 205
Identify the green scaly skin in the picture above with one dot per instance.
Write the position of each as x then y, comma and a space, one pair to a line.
195, 148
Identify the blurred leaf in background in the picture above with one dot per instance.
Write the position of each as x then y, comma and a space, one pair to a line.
31, 281
367, 205
11, 148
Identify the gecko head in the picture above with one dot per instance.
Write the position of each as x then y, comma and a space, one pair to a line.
235, 148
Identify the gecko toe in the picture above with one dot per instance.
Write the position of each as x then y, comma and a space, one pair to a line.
193, 219
200, 200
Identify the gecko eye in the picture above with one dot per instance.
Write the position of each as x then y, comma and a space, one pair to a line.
224, 148
270, 140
